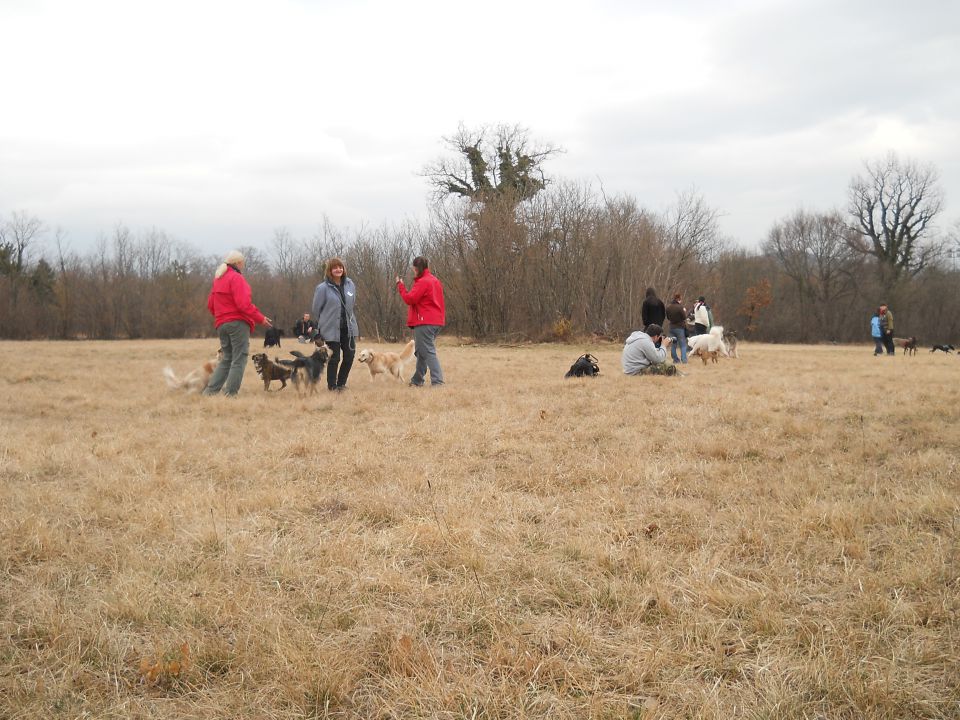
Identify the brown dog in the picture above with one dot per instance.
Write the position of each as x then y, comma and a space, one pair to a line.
386, 362
909, 345
708, 355
270, 371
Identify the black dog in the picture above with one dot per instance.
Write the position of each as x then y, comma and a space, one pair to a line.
307, 370
945, 348
585, 366
272, 337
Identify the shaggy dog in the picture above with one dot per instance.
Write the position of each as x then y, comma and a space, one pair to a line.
709, 342
194, 381
730, 338
386, 362
909, 345
307, 370
270, 371
272, 337
945, 348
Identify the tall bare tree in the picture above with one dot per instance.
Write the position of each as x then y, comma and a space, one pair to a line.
490, 162
893, 208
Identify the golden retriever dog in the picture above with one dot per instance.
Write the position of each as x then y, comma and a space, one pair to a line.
194, 381
386, 362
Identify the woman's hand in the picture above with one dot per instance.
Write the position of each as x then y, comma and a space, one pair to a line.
396, 280
267, 321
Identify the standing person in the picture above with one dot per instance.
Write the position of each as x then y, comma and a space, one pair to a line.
234, 316
701, 316
427, 317
876, 333
333, 303
641, 356
652, 312
677, 315
304, 329
886, 327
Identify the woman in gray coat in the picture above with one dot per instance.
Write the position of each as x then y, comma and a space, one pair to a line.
333, 302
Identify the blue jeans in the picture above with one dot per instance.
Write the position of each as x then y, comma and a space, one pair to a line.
424, 338
679, 336
235, 343
878, 341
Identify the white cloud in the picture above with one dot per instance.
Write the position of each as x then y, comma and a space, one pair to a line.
219, 121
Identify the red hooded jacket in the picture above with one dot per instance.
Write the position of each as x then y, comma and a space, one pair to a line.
230, 300
425, 300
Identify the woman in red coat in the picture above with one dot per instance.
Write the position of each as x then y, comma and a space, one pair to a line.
427, 317
235, 316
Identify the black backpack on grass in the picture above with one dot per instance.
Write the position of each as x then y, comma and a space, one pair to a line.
585, 366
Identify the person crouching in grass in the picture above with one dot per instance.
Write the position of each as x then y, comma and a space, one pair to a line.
644, 354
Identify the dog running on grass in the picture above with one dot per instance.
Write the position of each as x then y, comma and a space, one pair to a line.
307, 370
386, 362
944, 348
270, 371
195, 380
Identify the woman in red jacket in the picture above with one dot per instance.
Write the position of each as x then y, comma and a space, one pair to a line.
235, 316
426, 316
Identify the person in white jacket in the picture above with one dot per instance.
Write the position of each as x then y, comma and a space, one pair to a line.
701, 316
643, 356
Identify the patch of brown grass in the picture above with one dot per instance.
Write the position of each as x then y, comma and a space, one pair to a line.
773, 537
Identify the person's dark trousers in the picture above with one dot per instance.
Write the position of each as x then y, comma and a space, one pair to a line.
337, 372
878, 350
699, 329
888, 343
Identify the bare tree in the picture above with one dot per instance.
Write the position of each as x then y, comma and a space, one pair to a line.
814, 251
893, 208
499, 161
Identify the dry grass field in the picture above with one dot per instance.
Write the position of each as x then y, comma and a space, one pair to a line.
770, 537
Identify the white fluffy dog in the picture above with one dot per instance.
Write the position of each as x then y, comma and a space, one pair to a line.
709, 342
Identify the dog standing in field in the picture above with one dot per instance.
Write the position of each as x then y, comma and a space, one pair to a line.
706, 355
194, 381
711, 342
730, 338
909, 345
272, 337
270, 371
306, 371
944, 348
386, 362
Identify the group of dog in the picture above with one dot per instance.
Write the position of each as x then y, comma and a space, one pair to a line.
909, 346
303, 371
713, 345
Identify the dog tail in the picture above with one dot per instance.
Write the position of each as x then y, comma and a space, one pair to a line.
407, 351
173, 382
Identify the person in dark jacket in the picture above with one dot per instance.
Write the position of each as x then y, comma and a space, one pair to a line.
426, 316
305, 329
677, 315
333, 303
234, 316
652, 311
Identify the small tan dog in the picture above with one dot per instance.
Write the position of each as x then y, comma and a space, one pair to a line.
707, 355
383, 362
195, 380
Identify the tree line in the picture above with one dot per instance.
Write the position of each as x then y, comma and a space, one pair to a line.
524, 259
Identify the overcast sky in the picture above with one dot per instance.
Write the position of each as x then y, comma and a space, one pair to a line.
219, 121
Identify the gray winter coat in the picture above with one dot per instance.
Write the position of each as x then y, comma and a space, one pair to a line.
639, 352
326, 308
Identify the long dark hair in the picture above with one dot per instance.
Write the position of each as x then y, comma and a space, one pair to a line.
652, 294
421, 264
